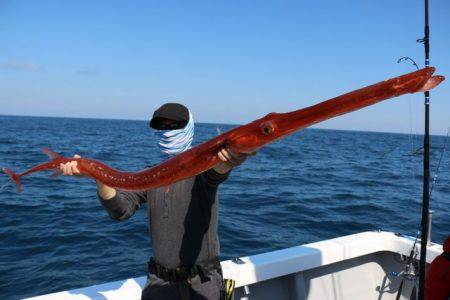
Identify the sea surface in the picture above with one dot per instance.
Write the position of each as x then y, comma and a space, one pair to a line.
313, 185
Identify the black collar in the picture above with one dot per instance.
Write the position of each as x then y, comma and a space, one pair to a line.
446, 255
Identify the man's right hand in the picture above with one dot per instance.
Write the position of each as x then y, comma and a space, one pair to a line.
70, 168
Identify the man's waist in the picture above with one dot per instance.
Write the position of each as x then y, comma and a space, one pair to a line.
208, 263
201, 268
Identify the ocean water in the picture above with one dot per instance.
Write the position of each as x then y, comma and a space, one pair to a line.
313, 185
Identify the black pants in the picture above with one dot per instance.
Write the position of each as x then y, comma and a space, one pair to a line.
157, 288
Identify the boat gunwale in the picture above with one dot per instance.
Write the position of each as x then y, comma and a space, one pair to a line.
270, 265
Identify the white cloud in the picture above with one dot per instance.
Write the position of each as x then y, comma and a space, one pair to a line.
21, 65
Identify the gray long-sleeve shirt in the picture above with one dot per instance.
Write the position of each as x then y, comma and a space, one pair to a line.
182, 218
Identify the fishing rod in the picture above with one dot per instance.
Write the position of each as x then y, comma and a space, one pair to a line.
435, 177
410, 269
426, 164
426, 160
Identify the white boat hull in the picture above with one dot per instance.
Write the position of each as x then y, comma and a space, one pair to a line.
359, 266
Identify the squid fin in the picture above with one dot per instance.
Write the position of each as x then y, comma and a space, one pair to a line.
51, 154
14, 177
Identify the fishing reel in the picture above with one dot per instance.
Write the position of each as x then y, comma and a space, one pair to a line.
411, 268
410, 272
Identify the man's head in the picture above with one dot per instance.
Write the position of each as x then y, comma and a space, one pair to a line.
174, 128
170, 116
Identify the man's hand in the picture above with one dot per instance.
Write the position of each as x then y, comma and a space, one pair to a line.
70, 168
229, 160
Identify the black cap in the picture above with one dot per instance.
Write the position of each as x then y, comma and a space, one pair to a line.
171, 111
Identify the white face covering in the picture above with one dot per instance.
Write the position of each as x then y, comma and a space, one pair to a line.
173, 142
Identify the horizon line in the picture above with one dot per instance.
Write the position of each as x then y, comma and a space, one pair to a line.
200, 122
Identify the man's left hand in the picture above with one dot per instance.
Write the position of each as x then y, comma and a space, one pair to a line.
229, 160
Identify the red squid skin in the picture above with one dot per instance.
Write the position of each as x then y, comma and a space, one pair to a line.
243, 139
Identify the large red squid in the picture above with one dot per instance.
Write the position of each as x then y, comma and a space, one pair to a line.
244, 139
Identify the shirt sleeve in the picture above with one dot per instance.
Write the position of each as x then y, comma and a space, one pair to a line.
213, 178
124, 204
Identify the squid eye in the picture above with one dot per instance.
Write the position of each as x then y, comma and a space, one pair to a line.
266, 128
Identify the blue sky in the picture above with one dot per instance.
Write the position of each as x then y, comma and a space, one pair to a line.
230, 61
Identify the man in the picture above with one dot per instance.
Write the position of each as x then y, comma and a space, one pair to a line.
182, 217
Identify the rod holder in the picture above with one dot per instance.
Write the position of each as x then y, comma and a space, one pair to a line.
430, 222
